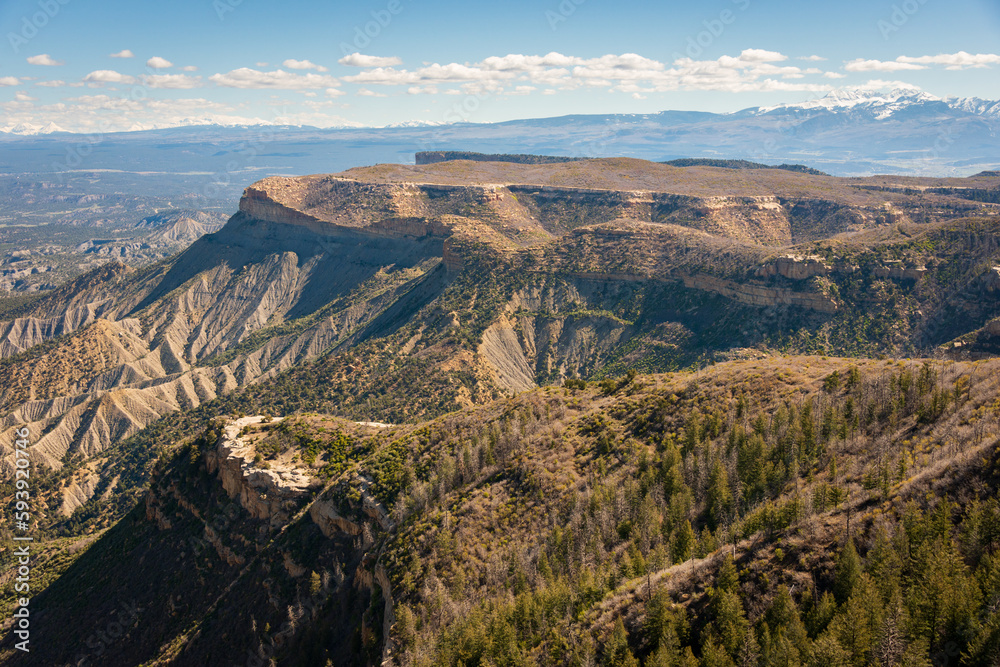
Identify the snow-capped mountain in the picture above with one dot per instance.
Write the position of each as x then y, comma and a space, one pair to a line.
416, 123
885, 103
30, 129
975, 105
845, 132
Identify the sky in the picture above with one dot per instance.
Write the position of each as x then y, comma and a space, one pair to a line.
117, 65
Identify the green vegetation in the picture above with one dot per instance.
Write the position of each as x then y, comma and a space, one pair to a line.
687, 481
681, 471
740, 164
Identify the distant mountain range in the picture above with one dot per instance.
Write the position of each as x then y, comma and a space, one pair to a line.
847, 133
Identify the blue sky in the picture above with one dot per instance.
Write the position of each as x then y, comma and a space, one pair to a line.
378, 62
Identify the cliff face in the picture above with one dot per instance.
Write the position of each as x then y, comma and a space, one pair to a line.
318, 264
263, 578
515, 209
266, 493
758, 295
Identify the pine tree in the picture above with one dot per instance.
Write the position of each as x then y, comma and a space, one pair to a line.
728, 577
943, 599
827, 652
683, 542
858, 623
884, 565
730, 620
617, 652
848, 572
891, 642
720, 498
785, 626
714, 655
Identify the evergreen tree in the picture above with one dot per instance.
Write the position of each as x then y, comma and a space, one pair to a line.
720, 498
617, 652
827, 652
943, 598
714, 655
787, 632
848, 572
884, 565
683, 542
729, 619
728, 577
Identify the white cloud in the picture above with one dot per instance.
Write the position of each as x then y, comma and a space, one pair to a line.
173, 81
106, 113
156, 62
57, 83
291, 63
364, 92
761, 56
189, 68
22, 96
880, 84
125, 53
46, 60
862, 65
518, 62
955, 61
103, 76
361, 60
951, 61
834, 75
9, 81
261, 64
813, 58
245, 77
334, 92
752, 69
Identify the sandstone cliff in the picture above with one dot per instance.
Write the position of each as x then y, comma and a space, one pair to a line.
321, 263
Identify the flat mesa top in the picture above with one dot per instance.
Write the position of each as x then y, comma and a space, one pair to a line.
628, 174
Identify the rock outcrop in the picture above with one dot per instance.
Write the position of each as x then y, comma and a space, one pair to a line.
758, 295
266, 493
795, 267
324, 514
897, 271
993, 278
